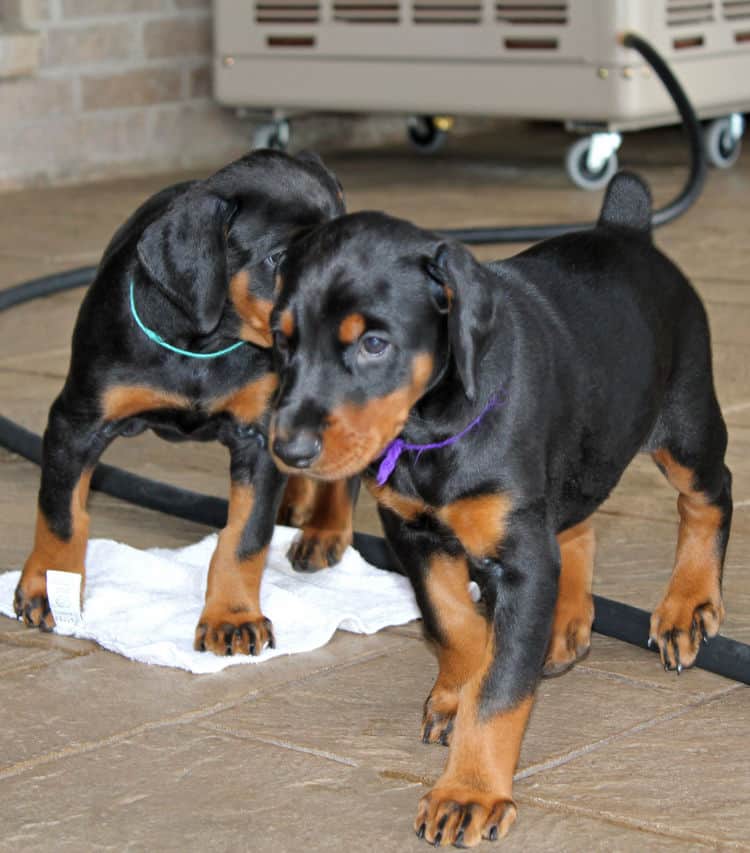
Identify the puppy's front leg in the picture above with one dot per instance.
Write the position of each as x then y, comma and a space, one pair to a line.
473, 798
73, 441
232, 621
451, 620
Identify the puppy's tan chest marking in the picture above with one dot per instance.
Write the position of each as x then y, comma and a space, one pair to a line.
479, 522
248, 403
125, 401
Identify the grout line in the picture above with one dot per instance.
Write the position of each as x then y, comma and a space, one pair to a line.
84, 747
735, 407
645, 682
631, 823
608, 675
294, 747
553, 763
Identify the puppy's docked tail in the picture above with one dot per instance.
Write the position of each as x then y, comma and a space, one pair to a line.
627, 204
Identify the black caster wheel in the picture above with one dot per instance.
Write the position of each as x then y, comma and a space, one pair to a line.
426, 134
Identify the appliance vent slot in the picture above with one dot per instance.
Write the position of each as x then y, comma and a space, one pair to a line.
689, 12
686, 43
532, 12
447, 12
287, 12
531, 44
366, 11
736, 10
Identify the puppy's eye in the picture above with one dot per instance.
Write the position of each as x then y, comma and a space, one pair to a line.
273, 260
373, 346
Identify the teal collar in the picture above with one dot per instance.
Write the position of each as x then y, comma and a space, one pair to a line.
158, 339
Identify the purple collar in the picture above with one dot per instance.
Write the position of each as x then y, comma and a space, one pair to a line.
391, 454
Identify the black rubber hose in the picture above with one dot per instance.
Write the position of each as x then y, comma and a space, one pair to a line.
687, 195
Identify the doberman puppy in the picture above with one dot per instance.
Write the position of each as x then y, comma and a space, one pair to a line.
173, 335
518, 391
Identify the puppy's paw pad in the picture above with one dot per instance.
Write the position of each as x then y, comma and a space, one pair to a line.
31, 605
316, 549
235, 635
437, 727
463, 817
679, 626
570, 641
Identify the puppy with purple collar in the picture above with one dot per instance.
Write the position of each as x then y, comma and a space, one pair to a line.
491, 408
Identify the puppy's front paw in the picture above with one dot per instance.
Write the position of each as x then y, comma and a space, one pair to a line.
462, 816
315, 549
439, 714
225, 632
679, 625
31, 604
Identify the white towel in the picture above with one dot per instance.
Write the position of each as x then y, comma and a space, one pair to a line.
146, 604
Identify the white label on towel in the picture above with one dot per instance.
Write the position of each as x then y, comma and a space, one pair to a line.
64, 596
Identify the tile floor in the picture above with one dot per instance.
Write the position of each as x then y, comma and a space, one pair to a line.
320, 751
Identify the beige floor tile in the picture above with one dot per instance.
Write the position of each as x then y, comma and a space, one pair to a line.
101, 695
19, 658
186, 789
688, 771
370, 713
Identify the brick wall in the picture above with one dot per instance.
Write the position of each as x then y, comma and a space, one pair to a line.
121, 86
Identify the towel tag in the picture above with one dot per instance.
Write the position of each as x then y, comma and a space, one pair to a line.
64, 596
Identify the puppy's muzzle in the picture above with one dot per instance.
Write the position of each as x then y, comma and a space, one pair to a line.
298, 449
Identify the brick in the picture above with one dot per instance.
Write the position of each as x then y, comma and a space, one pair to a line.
176, 37
19, 52
83, 147
193, 4
85, 45
201, 82
96, 8
200, 133
26, 99
28, 12
130, 89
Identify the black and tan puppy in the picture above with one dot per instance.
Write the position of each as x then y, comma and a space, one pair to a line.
528, 385
173, 336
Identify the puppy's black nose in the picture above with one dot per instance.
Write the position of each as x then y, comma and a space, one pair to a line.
298, 449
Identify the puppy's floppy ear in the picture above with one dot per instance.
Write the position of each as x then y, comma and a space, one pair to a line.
461, 288
184, 253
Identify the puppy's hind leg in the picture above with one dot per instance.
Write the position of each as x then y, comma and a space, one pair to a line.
574, 609
689, 446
